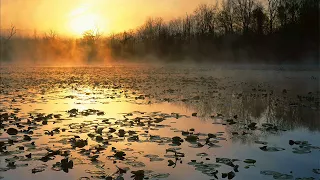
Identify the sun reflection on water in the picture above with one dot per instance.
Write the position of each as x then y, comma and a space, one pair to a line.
96, 112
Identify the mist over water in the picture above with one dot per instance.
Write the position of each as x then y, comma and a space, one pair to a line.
228, 91
229, 32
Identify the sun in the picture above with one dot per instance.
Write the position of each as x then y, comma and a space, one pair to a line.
82, 20
83, 23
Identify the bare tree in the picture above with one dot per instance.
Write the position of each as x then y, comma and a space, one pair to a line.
12, 32
226, 16
175, 26
51, 35
187, 27
205, 17
288, 12
244, 13
272, 10
92, 35
4, 45
259, 19
148, 30
159, 25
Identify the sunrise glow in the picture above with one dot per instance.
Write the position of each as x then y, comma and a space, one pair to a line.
159, 89
83, 23
82, 19
73, 17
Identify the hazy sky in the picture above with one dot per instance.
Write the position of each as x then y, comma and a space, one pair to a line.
76, 16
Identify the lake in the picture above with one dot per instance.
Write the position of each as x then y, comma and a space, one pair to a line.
159, 122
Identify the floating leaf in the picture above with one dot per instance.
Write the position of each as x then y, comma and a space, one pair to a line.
202, 154
271, 149
317, 171
12, 131
277, 175
301, 150
192, 138
160, 175
170, 162
250, 161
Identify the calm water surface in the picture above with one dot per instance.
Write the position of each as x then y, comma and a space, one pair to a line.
142, 122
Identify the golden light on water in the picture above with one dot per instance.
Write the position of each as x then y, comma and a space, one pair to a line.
102, 119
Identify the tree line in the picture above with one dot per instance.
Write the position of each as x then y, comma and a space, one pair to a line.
237, 31
230, 30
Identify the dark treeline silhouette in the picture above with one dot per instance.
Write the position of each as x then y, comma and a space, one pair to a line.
236, 31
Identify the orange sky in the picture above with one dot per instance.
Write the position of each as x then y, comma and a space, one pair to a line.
72, 17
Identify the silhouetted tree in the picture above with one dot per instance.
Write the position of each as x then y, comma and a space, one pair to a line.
244, 11
239, 29
5, 46
226, 16
90, 40
235, 30
259, 19
272, 10
205, 20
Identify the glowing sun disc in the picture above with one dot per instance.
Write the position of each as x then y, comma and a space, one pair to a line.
83, 23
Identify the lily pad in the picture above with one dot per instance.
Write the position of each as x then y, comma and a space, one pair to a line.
271, 149
134, 163
306, 178
250, 161
138, 174
170, 162
12, 131
39, 169
202, 154
192, 138
277, 175
301, 150
160, 175
119, 155
317, 171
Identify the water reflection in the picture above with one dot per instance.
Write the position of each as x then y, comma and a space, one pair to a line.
103, 119
278, 110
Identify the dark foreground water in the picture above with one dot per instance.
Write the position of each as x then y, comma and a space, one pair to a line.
142, 122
